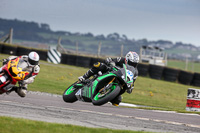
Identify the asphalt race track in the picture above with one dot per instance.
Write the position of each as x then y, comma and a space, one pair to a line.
51, 108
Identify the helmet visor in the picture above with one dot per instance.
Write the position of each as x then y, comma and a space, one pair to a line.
32, 62
132, 64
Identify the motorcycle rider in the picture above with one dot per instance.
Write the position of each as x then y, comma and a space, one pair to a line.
28, 63
131, 58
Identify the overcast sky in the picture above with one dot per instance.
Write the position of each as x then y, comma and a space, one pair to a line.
173, 20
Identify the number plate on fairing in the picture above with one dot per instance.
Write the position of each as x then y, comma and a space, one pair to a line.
129, 75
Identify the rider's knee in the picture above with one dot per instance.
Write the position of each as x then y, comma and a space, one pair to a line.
99, 66
116, 100
22, 91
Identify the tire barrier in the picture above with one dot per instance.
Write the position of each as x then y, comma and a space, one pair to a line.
83, 61
185, 77
71, 59
64, 58
53, 56
42, 54
1, 47
143, 69
23, 51
6, 49
170, 74
155, 71
196, 79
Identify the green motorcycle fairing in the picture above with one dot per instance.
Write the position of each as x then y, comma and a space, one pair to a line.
72, 89
89, 90
95, 83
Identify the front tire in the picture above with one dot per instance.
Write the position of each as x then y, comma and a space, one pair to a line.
108, 97
69, 94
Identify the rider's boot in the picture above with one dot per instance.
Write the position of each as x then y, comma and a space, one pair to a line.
14, 88
116, 100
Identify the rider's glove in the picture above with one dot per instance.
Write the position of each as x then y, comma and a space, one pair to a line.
100, 73
108, 60
112, 64
5, 61
81, 78
130, 87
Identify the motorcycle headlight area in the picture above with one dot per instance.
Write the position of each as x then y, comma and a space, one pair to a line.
2, 79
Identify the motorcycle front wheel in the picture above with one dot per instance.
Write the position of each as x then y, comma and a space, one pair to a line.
102, 98
69, 94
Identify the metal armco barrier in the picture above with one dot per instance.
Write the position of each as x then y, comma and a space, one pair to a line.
193, 100
53, 56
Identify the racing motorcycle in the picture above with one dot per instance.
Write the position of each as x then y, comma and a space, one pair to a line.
101, 88
11, 74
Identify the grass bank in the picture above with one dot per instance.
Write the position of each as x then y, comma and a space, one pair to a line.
16, 125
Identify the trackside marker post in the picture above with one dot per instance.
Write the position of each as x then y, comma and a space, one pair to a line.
53, 55
193, 100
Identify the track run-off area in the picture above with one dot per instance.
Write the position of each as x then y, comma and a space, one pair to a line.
51, 108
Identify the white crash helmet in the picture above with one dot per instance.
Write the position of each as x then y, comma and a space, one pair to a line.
132, 58
33, 58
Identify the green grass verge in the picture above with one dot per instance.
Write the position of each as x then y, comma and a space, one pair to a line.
150, 92
191, 66
16, 125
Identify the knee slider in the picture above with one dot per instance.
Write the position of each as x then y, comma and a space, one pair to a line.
97, 64
22, 91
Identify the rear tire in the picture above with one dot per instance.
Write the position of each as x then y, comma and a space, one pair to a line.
106, 98
69, 94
